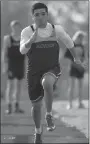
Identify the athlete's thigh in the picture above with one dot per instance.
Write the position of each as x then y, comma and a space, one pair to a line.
72, 82
10, 84
80, 83
10, 74
18, 84
35, 89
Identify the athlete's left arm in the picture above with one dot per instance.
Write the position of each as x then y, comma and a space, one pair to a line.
85, 52
65, 38
85, 57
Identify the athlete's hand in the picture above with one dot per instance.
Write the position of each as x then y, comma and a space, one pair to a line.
80, 65
85, 65
32, 39
34, 35
77, 61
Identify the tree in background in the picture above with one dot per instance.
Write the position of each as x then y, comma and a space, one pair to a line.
72, 15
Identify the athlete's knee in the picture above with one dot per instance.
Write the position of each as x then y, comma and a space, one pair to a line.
9, 84
48, 82
17, 85
73, 82
37, 105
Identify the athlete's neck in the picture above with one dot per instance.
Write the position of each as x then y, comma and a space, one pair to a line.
42, 26
15, 36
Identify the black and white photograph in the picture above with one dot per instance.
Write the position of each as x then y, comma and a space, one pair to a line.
45, 71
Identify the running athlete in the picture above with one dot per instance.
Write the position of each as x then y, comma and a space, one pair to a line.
13, 66
77, 71
41, 43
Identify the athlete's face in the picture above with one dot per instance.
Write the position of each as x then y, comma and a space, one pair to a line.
40, 17
81, 38
16, 29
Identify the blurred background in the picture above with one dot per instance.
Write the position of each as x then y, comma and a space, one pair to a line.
72, 15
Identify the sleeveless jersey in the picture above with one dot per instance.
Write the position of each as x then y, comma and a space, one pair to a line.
15, 58
79, 51
43, 55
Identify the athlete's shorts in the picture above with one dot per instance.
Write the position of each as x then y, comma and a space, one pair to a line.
77, 73
35, 88
16, 73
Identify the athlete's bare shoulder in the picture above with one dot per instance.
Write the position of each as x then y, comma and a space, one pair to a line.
6, 37
26, 30
6, 40
59, 29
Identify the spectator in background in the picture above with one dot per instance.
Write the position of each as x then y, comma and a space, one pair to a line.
13, 66
77, 71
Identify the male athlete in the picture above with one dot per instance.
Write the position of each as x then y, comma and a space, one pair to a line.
41, 43
13, 66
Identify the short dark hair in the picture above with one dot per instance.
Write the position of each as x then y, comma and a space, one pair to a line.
39, 6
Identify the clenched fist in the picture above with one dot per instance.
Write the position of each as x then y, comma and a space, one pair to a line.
32, 39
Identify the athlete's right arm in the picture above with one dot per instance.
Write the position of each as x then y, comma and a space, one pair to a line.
27, 38
6, 44
4, 58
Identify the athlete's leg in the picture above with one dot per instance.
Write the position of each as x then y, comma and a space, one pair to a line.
80, 82
37, 116
36, 113
17, 93
71, 92
17, 89
35, 94
9, 92
48, 82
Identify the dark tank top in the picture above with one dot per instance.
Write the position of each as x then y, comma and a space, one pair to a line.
43, 55
79, 50
15, 58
